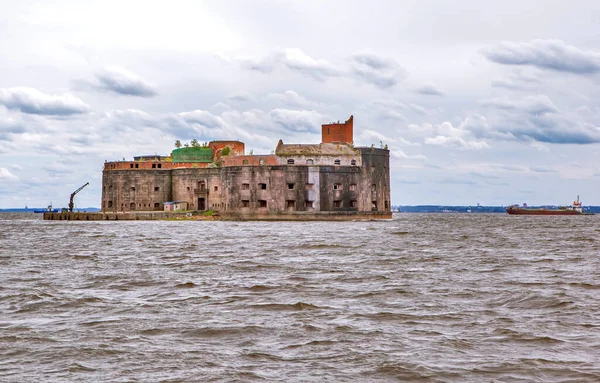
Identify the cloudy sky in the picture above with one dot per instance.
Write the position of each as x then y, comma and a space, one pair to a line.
489, 102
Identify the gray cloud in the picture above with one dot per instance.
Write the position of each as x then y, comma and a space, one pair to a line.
366, 66
537, 118
32, 101
531, 104
241, 97
117, 80
429, 90
546, 54
376, 70
517, 81
9, 127
295, 60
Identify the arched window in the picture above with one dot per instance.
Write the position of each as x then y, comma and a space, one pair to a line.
290, 161
309, 162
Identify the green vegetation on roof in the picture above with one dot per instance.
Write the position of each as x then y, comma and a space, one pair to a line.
193, 154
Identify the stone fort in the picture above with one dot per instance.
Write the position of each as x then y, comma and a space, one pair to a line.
332, 180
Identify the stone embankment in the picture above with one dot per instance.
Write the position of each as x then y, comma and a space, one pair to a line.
226, 216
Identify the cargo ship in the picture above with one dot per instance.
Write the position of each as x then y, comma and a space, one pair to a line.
575, 209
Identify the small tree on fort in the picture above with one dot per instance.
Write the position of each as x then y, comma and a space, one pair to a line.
177, 144
194, 143
226, 150
186, 145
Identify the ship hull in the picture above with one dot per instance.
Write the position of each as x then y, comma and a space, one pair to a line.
521, 211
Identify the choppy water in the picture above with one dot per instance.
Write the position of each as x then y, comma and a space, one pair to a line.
423, 298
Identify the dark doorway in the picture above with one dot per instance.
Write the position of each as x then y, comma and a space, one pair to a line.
201, 204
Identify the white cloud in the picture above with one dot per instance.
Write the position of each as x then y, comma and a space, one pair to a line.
289, 97
546, 54
33, 101
6, 175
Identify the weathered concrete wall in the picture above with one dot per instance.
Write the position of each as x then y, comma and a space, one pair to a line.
376, 178
125, 190
256, 190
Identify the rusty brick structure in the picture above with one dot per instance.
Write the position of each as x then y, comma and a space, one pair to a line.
331, 180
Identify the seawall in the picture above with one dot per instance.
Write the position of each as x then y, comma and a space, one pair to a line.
226, 216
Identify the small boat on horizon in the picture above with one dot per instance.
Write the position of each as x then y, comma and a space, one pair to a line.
49, 209
575, 209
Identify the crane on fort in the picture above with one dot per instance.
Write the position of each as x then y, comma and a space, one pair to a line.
73, 196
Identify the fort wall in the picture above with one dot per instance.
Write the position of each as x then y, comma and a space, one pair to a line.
324, 179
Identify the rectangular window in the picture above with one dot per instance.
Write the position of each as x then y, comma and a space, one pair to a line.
337, 186
137, 166
153, 166
244, 162
188, 188
354, 203
352, 187
216, 188
309, 186
245, 186
109, 203
373, 205
131, 166
337, 203
245, 203
290, 204
156, 205
373, 187
262, 186
309, 204
156, 188
336, 162
387, 204
290, 186
262, 203
160, 166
